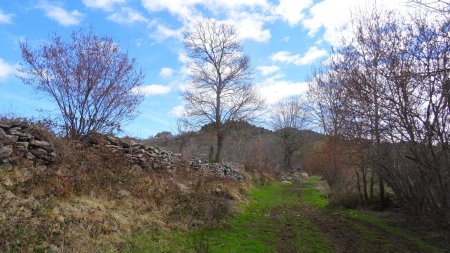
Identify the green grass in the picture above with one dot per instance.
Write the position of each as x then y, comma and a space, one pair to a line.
270, 222
251, 230
312, 196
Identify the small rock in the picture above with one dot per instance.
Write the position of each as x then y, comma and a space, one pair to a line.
124, 193
39, 152
40, 144
6, 151
22, 145
5, 165
11, 139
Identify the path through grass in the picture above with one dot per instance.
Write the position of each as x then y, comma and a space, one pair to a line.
288, 218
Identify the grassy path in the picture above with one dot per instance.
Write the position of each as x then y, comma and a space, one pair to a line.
289, 218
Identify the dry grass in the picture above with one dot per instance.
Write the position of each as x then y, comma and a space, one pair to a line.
91, 199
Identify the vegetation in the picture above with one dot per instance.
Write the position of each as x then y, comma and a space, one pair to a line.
291, 218
93, 84
386, 113
381, 165
221, 89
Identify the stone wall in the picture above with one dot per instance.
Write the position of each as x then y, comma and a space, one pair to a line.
150, 157
226, 169
20, 143
146, 157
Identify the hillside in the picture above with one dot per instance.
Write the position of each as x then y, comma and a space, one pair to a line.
59, 195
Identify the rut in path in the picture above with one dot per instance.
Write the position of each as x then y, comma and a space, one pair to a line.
343, 233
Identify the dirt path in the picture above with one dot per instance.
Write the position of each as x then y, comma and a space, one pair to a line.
344, 234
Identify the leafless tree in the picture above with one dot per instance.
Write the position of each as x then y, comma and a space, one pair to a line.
288, 117
92, 82
220, 89
394, 80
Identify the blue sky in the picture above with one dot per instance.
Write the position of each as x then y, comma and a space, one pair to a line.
283, 39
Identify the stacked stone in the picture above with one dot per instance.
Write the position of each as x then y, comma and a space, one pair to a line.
225, 169
293, 176
17, 142
146, 157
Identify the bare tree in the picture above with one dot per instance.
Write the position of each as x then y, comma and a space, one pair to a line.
394, 79
92, 82
220, 89
288, 118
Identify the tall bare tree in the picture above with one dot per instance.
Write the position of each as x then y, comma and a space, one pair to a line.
92, 82
288, 118
221, 88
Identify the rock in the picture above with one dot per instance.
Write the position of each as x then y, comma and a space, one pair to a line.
25, 137
124, 193
2, 133
29, 156
39, 152
21, 145
4, 165
6, 151
40, 144
11, 139
15, 130
230, 170
4, 126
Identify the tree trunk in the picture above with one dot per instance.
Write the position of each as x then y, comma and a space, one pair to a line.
364, 179
358, 184
372, 182
381, 186
220, 138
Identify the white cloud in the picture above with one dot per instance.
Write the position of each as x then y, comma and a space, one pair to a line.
286, 39
163, 32
184, 9
250, 26
220, 5
178, 111
166, 72
310, 56
268, 70
5, 18
59, 14
291, 11
274, 90
7, 70
153, 89
333, 16
127, 16
249, 16
106, 5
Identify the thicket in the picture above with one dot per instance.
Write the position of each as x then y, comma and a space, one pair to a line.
382, 98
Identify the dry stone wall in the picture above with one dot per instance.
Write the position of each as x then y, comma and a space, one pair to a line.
20, 143
225, 169
150, 157
146, 157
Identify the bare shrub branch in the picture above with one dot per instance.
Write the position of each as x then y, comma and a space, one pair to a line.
91, 81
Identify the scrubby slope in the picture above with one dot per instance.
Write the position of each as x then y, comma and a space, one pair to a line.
91, 197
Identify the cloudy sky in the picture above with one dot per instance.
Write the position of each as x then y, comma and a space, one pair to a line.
283, 39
